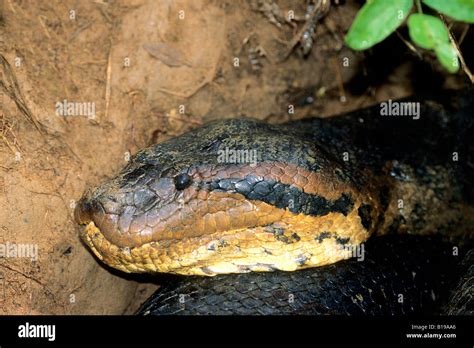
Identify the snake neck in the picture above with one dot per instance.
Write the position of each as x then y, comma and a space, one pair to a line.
422, 167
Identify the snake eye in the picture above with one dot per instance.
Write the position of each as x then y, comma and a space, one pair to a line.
182, 181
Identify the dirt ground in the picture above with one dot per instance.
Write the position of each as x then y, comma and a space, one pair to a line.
152, 70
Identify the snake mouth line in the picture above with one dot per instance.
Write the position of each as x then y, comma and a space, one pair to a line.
85, 234
138, 259
112, 255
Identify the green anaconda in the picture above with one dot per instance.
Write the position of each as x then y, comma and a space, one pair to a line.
239, 196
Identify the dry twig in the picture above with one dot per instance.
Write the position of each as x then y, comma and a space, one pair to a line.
9, 84
464, 66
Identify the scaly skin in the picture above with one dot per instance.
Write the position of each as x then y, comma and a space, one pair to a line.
319, 189
398, 276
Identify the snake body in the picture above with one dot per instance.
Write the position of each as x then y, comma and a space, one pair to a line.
408, 275
316, 190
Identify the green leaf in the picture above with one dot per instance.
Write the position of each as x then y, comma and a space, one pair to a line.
376, 20
427, 31
461, 10
447, 56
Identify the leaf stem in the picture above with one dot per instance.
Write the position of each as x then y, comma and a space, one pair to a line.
418, 6
464, 66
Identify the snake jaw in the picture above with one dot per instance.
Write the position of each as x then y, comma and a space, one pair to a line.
93, 237
82, 212
90, 230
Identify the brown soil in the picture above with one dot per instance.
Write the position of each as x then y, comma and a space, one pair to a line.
151, 75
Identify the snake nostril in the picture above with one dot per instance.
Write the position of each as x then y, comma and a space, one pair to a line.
91, 210
88, 210
82, 212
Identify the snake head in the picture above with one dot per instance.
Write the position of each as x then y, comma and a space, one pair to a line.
120, 214
190, 206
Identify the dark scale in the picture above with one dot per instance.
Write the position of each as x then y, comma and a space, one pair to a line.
281, 196
364, 214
